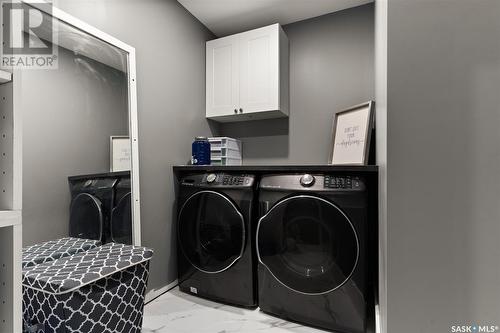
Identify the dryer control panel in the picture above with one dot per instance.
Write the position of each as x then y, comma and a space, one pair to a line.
342, 182
313, 182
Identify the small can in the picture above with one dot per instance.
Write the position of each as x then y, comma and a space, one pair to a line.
200, 151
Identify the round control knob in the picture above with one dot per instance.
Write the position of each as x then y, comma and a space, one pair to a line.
211, 178
307, 180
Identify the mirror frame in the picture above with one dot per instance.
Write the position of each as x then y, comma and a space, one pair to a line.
132, 102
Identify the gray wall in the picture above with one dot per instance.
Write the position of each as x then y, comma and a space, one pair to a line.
331, 68
170, 46
443, 162
68, 116
331, 65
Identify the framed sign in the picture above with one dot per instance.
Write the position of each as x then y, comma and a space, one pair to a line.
120, 153
351, 135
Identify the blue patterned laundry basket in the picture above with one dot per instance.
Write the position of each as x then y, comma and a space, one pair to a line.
59, 248
97, 291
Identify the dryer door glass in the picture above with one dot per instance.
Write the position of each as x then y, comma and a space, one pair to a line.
308, 244
86, 217
121, 221
211, 231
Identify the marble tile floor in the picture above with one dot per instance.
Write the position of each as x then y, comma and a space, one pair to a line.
177, 312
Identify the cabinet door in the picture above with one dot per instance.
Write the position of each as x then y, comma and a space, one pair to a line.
259, 69
222, 76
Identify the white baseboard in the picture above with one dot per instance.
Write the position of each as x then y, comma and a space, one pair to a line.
151, 295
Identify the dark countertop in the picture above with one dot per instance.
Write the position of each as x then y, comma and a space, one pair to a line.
101, 175
369, 169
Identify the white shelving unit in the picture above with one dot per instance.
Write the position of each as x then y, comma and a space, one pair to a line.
5, 77
10, 205
9, 218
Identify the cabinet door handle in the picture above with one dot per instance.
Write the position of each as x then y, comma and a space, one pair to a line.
241, 110
235, 110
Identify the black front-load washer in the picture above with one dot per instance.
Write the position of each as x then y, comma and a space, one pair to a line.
100, 207
92, 200
313, 250
215, 257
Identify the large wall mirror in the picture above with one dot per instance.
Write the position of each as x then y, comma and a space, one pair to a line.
80, 146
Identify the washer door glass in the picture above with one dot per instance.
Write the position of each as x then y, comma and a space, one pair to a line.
211, 231
308, 244
86, 217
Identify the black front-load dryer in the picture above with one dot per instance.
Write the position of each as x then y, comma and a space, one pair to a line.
215, 257
313, 252
121, 215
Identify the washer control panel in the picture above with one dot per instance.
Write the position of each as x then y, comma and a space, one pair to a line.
218, 179
235, 180
342, 182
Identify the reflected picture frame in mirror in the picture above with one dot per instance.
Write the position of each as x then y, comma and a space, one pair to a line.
119, 153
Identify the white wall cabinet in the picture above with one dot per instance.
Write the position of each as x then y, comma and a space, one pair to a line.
248, 75
223, 74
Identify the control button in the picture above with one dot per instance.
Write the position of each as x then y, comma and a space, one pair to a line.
349, 181
327, 182
211, 178
307, 180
